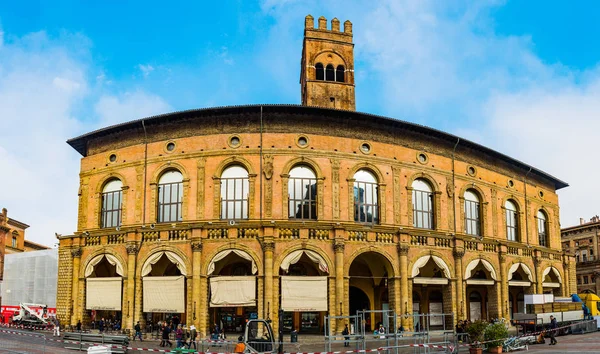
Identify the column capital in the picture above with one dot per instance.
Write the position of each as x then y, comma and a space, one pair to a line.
196, 246
268, 246
458, 253
403, 249
132, 248
339, 247
76, 252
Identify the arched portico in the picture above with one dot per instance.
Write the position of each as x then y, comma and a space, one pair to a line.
482, 290
104, 288
431, 286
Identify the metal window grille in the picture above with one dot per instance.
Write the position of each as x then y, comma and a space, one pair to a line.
472, 218
302, 202
111, 209
542, 232
366, 208
511, 225
422, 209
234, 198
170, 202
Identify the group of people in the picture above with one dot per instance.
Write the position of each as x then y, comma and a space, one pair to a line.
182, 338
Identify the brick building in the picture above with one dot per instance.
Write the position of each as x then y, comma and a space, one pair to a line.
220, 214
582, 241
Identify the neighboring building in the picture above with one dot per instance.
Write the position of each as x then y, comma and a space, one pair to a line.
582, 241
216, 215
29, 277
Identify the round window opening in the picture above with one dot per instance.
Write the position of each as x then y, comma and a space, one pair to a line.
365, 148
234, 141
302, 141
541, 194
170, 146
511, 183
112, 158
422, 158
471, 170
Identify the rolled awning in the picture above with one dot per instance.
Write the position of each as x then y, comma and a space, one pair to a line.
164, 294
233, 291
103, 294
474, 263
554, 270
420, 263
153, 259
295, 256
89, 269
515, 267
219, 256
300, 293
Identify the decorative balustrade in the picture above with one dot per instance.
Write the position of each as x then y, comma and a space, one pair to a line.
247, 233
558, 256
217, 233
490, 247
357, 235
150, 236
289, 233
178, 235
527, 252
418, 240
116, 239
316, 234
512, 250
545, 255
92, 240
384, 237
442, 242
471, 245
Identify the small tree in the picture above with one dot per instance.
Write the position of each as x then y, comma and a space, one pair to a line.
476, 330
496, 333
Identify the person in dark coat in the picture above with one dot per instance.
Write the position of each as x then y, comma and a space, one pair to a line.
553, 327
165, 337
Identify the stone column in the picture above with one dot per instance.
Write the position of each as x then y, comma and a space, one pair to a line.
405, 296
76, 253
268, 247
338, 248
196, 302
539, 287
459, 253
132, 250
504, 312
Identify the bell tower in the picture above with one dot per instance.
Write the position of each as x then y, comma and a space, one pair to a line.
327, 66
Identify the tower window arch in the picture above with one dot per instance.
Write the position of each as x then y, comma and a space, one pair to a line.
112, 195
329, 73
542, 226
234, 193
320, 71
472, 213
302, 193
512, 221
170, 196
339, 74
366, 199
422, 200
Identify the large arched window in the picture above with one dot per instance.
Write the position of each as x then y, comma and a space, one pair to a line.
112, 195
366, 207
234, 193
472, 213
302, 192
339, 74
512, 221
329, 73
170, 196
422, 200
320, 71
542, 226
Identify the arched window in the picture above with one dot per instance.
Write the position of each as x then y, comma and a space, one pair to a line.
512, 221
320, 71
339, 74
234, 193
366, 207
542, 224
170, 196
472, 213
14, 242
422, 200
329, 73
302, 193
112, 195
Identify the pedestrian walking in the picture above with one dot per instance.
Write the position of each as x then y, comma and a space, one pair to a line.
179, 336
553, 327
241, 346
346, 334
56, 332
138, 331
78, 326
193, 335
165, 336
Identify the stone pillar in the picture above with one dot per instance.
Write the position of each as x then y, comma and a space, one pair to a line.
539, 287
76, 253
268, 247
132, 250
197, 305
459, 253
495, 303
405, 296
505, 311
338, 248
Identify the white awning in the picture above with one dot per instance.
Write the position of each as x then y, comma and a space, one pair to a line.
432, 281
474, 263
550, 285
153, 259
225, 253
164, 294
519, 283
480, 282
295, 256
525, 268
233, 291
423, 260
89, 269
103, 294
300, 293
554, 270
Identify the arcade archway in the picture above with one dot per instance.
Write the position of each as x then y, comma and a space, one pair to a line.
104, 288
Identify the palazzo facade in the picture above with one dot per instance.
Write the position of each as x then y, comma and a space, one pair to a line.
221, 214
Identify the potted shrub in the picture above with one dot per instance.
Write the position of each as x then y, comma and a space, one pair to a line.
495, 334
475, 330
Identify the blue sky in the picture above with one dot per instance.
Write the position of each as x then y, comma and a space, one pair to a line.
521, 77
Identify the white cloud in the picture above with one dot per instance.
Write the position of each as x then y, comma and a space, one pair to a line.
112, 109
146, 69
